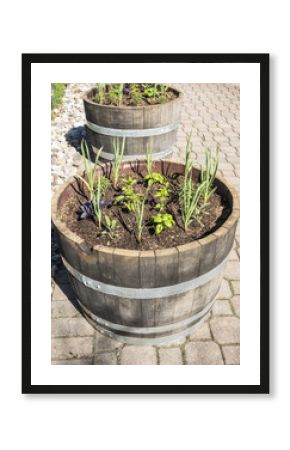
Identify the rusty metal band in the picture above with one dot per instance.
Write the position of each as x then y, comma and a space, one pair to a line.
144, 293
157, 155
135, 133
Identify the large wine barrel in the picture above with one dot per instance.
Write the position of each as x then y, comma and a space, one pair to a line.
147, 297
154, 125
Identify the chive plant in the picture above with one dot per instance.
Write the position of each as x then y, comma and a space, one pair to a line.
117, 161
208, 174
189, 195
89, 168
139, 216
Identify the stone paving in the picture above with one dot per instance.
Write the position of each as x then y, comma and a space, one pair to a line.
211, 111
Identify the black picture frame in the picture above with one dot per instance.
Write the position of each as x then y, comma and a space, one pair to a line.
263, 61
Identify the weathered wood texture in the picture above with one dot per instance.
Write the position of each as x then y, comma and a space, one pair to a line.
148, 269
133, 118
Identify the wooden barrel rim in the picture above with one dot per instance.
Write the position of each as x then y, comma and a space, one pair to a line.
218, 233
86, 99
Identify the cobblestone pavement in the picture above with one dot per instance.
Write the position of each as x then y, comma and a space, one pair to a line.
211, 111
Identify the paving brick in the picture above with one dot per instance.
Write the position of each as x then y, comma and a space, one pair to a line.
235, 301
225, 330
105, 359
103, 343
69, 348
222, 308
236, 287
138, 355
203, 353
58, 293
170, 356
231, 354
175, 343
63, 308
232, 270
233, 256
201, 333
69, 327
225, 290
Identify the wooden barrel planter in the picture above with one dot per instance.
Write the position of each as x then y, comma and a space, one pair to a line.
154, 125
147, 297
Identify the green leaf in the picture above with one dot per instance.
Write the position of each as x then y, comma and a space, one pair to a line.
168, 224
108, 221
158, 228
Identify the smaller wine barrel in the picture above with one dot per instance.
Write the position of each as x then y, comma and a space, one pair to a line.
147, 297
154, 125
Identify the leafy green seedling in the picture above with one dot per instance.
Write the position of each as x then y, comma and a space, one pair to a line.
163, 195
129, 181
162, 222
129, 198
154, 177
110, 227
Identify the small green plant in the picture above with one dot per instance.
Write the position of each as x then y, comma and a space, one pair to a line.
116, 93
162, 222
136, 94
110, 227
100, 97
129, 181
96, 200
105, 184
139, 216
208, 174
129, 198
162, 93
150, 90
154, 177
163, 195
89, 168
189, 195
118, 158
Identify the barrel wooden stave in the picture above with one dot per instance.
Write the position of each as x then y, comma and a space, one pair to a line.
134, 146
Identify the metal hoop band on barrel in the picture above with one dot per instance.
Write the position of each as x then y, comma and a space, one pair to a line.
136, 133
144, 293
107, 328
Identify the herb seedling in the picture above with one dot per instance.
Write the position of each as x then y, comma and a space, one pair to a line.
162, 222
208, 174
129, 181
163, 195
136, 95
96, 200
118, 158
154, 177
110, 227
139, 216
189, 195
100, 97
129, 198
116, 94
89, 168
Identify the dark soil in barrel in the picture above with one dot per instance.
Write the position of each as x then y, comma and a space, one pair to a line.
215, 213
129, 99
